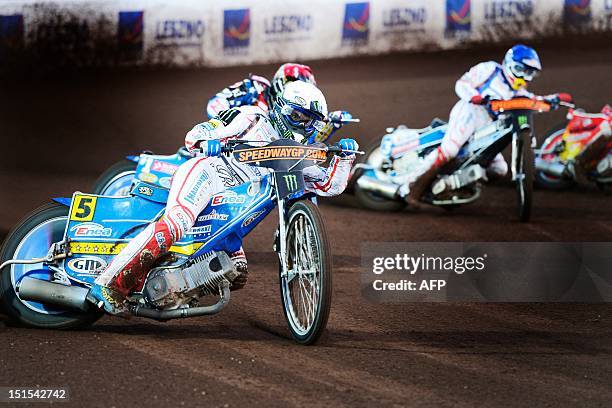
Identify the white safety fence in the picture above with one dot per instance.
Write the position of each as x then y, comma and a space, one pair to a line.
231, 32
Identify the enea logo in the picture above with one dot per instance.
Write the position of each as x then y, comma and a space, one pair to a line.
236, 28
458, 16
356, 26
576, 12
131, 33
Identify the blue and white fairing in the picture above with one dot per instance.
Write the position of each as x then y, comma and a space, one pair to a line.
100, 226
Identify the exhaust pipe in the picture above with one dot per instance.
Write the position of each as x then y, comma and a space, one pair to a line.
556, 169
382, 188
163, 315
69, 297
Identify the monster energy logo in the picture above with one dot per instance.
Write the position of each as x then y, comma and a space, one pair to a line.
291, 182
522, 120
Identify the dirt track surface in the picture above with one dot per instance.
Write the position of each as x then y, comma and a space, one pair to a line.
59, 134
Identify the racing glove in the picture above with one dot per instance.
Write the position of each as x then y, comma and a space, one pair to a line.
347, 144
479, 100
210, 148
244, 94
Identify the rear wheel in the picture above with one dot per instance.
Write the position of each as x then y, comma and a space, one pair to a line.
524, 184
31, 238
306, 288
116, 180
552, 139
370, 199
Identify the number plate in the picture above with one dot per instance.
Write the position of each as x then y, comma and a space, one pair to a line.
289, 182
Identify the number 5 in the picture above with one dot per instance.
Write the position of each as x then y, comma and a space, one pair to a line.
83, 208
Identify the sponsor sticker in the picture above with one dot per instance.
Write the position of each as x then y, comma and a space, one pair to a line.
458, 17
87, 264
228, 197
356, 24
90, 229
249, 220
199, 230
147, 177
192, 195
164, 167
213, 215
131, 34
236, 29
144, 190
83, 208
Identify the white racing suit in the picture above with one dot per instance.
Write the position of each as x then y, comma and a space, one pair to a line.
198, 180
487, 80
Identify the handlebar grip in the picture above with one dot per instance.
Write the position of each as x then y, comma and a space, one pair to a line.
565, 97
334, 149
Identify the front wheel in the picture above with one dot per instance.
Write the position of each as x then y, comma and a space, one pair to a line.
116, 180
306, 286
31, 238
525, 169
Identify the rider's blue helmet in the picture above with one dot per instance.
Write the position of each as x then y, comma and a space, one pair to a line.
521, 65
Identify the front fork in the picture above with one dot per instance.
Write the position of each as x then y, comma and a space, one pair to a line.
517, 136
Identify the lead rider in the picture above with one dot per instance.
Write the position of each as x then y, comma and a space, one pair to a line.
296, 114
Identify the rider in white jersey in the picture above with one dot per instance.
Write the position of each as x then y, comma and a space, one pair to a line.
482, 83
296, 114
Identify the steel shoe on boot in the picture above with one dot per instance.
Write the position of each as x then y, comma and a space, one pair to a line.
240, 263
110, 300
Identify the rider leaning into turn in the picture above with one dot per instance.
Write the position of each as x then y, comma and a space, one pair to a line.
295, 114
482, 83
257, 90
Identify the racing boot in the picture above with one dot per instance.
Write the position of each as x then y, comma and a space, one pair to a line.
240, 262
108, 299
129, 268
432, 162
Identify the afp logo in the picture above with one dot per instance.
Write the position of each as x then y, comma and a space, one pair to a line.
356, 26
458, 16
11, 31
236, 28
576, 13
87, 264
131, 33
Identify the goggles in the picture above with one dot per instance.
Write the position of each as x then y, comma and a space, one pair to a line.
301, 118
523, 71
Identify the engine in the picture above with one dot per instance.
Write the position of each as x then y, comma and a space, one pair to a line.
174, 286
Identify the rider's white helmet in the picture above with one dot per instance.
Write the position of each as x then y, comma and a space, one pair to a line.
300, 110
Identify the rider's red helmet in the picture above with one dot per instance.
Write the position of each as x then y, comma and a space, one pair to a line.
291, 72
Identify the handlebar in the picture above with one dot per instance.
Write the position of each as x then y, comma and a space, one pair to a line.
230, 145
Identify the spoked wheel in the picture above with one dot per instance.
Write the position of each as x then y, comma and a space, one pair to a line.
524, 184
369, 199
116, 180
306, 289
31, 239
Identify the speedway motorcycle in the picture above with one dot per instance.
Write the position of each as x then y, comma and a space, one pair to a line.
579, 146
119, 179
53, 256
388, 165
